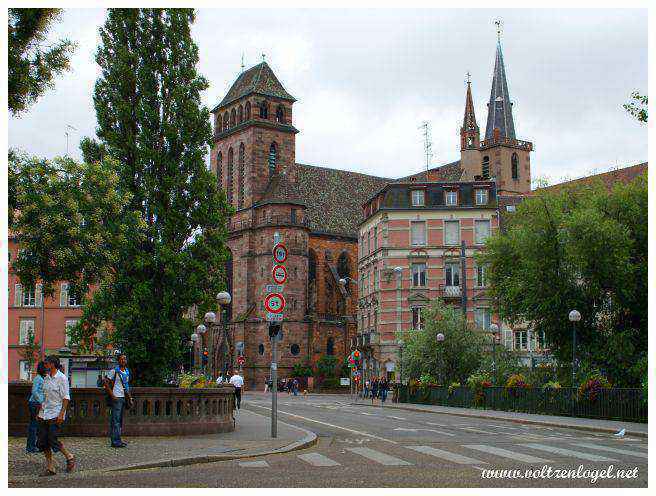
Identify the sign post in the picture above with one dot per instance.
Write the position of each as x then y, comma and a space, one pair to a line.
274, 304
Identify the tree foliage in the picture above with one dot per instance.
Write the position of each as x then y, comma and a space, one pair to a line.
638, 107
31, 63
583, 249
459, 355
92, 151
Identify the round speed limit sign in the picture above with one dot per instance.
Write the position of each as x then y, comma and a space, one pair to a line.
274, 303
279, 253
279, 274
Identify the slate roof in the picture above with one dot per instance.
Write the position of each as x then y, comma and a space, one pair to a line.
334, 197
624, 175
499, 109
447, 172
259, 79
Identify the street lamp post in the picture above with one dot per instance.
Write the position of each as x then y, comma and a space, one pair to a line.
194, 339
224, 299
200, 331
401, 346
210, 320
440, 339
574, 317
494, 329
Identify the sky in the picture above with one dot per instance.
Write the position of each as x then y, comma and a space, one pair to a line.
365, 80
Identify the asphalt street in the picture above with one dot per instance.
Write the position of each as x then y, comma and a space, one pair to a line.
365, 446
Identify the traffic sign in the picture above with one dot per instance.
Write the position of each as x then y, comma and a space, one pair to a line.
273, 288
241, 360
279, 274
279, 253
274, 317
274, 302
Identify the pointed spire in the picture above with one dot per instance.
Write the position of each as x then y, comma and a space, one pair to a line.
499, 113
469, 122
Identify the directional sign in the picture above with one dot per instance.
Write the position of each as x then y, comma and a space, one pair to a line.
241, 360
274, 317
279, 253
279, 274
274, 302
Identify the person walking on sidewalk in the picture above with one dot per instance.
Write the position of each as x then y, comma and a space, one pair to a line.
383, 387
56, 396
118, 388
237, 381
365, 392
295, 386
374, 389
34, 403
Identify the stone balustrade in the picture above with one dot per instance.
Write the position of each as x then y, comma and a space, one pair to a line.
156, 411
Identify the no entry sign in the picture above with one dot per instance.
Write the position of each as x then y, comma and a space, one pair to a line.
279, 253
274, 303
241, 360
279, 274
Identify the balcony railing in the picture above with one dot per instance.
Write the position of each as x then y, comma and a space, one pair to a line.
270, 220
450, 291
524, 145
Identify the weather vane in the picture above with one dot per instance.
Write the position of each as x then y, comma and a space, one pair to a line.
263, 57
498, 23
242, 62
468, 78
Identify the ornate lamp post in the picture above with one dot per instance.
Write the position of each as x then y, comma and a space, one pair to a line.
210, 319
574, 317
224, 299
194, 339
440, 339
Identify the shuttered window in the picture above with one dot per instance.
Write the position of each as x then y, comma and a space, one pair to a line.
481, 231
452, 274
63, 294
25, 326
452, 232
418, 233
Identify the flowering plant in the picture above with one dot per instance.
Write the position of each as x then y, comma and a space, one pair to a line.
592, 385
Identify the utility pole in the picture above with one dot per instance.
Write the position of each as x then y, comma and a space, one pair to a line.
463, 277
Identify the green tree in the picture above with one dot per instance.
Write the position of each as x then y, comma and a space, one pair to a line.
92, 151
584, 249
31, 64
638, 107
30, 352
151, 120
454, 359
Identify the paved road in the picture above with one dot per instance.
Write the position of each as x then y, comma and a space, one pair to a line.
363, 446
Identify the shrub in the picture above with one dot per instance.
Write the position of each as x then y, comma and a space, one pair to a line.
331, 382
477, 382
427, 380
452, 387
551, 385
517, 381
301, 370
590, 388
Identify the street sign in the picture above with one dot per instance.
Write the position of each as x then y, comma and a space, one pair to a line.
279, 253
274, 303
274, 317
241, 360
273, 288
279, 274
274, 366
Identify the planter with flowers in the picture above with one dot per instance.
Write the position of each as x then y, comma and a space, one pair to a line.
477, 383
590, 388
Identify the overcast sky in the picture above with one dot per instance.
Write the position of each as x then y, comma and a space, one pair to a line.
366, 79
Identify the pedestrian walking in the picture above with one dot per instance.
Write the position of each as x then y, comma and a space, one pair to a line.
288, 386
237, 381
118, 389
295, 386
266, 384
34, 403
51, 416
383, 387
374, 389
366, 389
219, 380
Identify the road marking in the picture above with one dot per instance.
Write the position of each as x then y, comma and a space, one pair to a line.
481, 431
427, 430
379, 457
520, 457
369, 414
318, 460
254, 464
446, 455
503, 427
566, 452
393, 417
436, 424
612, 450
334, 426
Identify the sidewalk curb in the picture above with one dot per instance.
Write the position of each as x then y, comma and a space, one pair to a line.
310, 439
516, 420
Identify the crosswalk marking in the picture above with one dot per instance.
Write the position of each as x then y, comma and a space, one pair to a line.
393, 417
566, 452
446, 455
378, 457
481, 431
254, 464
520, 457
436, 424
318, 460
502, 427
612, 450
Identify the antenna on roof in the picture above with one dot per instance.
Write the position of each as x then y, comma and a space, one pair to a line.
428, 144
242, 61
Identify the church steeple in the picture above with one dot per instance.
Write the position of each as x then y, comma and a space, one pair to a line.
469, 132
499, 113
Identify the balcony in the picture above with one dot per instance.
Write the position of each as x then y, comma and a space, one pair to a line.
515, 143
270, 220
450, 291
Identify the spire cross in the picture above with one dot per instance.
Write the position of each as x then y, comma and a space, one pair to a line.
242, 62
468, 77
498, 23
263, 57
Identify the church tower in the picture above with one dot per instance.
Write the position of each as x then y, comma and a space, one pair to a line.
469, 137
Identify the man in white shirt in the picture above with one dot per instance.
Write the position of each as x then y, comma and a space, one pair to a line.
52, 415
237, 381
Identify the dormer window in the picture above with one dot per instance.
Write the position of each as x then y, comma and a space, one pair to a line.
451, 197
481, 197
418, 198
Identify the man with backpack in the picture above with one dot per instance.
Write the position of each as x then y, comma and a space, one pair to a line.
118, 389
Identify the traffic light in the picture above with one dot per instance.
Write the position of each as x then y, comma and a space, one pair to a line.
274, 329
206, 356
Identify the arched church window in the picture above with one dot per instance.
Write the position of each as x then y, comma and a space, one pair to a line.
264, 110
485, 169
229, 189
219, 168
240, 177
226, 121
343, 265
514, 165
233, 118
312, 265
248, 110
330, 346
273, 158
240, 114
280, 114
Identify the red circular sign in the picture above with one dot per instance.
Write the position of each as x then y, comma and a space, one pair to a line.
274, 303
279, 253
279, 274
241, 360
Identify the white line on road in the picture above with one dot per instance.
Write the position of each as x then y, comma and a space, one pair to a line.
318, 460
520, 457
379, 457
393, 417
369, 414
254, 464
436, 424
334, 426
481, 431
612, 450
566, 452
446, 455
427, 430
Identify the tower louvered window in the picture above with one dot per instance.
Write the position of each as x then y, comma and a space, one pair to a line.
273, 158
240, 178
219, 168
485, 169
514, 164
229, 188
280, 115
